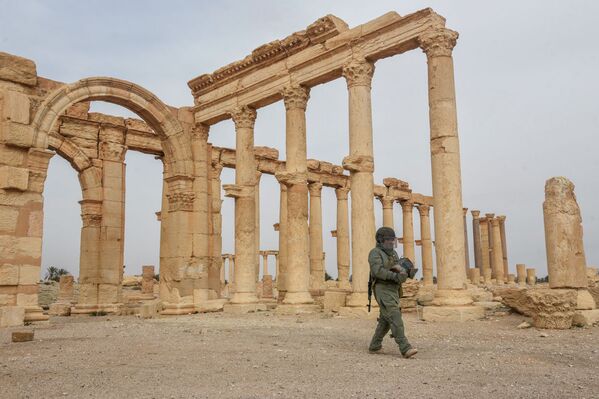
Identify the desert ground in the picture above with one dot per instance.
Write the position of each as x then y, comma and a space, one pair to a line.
264, 355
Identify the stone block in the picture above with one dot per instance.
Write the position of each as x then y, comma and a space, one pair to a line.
9, 274
12, 156
8, 299
11, 316
59, 309
150, 309
17, 69
15, 107
489, 305
29, 275
584, 300
333, 300
13, 178
451, 313
584, 318
27, 300
552, 308
107, 293
211, 305
22, 336
243, 308
16, 134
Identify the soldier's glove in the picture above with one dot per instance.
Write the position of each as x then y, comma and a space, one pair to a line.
408, 266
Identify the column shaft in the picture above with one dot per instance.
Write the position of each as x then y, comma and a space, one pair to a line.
408, 230
497, 253
315, 228
476, 239
427, 246
503, 246
466, 250
282, 271
342, 238
486, 254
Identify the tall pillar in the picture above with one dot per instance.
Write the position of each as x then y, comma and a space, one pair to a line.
89, 255
521, 274
408, 230
484, 248
295, 177
244, 298
282, 271
497, 253
387, 203
360, 163
217, 221
342, 234
257, 199
466, 250
476, 237
503, 246
490, 217
445, 166
426, 244
315, 228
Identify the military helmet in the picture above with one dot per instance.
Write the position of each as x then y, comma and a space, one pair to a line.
384, 233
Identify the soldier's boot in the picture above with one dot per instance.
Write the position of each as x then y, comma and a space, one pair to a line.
382, 328
409, 353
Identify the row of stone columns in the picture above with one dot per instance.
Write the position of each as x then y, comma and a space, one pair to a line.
490, 247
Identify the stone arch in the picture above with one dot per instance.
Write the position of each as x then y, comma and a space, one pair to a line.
176, 144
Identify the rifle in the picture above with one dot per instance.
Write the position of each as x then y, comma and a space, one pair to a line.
369, 290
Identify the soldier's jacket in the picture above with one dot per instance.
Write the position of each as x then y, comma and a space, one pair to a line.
380, 264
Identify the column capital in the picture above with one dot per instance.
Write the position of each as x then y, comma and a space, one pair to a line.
489, 215
295, 96
291, 178
501, 219
386, 201
244, 117
200, 132
180, 201
438, 42
475, 214
110, 151
495, 222
315, 189
358, 163
465, 210
406, 205
217, 168
358, 72
238, 191
423, 209
341, 193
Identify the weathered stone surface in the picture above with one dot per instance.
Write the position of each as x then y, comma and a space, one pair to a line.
585, 300
212, 305
11, 316
333, 300
22, 336
17, 69
12, 178
552, 308
515, 298
410, 288
584, 318
59, 309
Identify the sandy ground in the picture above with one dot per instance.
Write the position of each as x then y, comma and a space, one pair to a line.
263, 356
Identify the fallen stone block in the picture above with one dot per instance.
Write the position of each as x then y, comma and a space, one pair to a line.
584, 318
552, 308
22, 336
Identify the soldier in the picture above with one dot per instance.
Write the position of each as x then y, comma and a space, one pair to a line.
387, 272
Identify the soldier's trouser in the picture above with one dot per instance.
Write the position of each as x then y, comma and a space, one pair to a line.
389, 319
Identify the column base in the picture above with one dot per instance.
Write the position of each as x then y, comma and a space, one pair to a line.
451, 313
344, 285
35, 313
297, 298
243, 308
298, 308
96, 308
244, 298
176, 309
451, 298
359, 312
357, 300
211, 305
60, 309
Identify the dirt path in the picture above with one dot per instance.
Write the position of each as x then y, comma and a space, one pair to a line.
267, 356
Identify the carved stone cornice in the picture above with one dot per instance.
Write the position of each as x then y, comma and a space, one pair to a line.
217, 168
180, 201
295, 96
91, 213
91, 220
238, 191
438, 42
291, 178
358, 163
423, 209
358, 73
315, 189
341, 193
200, 132
244, 117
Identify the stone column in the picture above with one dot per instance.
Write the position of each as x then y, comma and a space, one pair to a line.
244, 299
408, 230
277, 267
531, 276
497, 254
490, 217
89, 254
474, 276
563, 235
66, 289
282, 271
257, 188
427, 247
360, 163
295, 177
503, 246
484, 248
521, 273
342, 234
446, 174
264, 263
466, 250
217, 221
476, 235
315, 228
147, 280
387, 203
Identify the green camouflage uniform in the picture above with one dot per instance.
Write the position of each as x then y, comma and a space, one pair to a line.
386, 290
